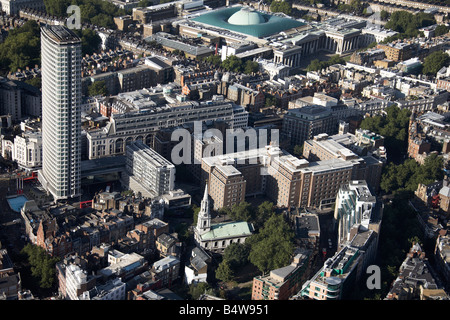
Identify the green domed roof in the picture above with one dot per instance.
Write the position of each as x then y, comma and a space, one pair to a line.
247, 21
246, 16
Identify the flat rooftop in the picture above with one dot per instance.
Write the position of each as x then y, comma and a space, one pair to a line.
335, 148
310, 112
60, 34
102, 165
361, 238
330, 165
151, 156
305, 224
232, 158
229, 170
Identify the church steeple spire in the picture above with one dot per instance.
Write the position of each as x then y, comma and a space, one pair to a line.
204, 216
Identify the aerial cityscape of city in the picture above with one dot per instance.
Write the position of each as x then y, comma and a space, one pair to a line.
224, 150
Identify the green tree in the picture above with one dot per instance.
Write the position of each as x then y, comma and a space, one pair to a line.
224, 271
197, 289
405, 177
270, 101
407, 24
214, 60
90, 41
372, 45
317, 64
42, 265
336, 59
184, 232
88, 11
434, 62
236, 254
251, 67
225, 211
298, 150
357, 6
281, 6
384, 15
232, 63
98, 88
103, 20
57, 7
264, 211
273, 246
344, 7
98, 12
393, 126
21, 48
241, 211
440, 30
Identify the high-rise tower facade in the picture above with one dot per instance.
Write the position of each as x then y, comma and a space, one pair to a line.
61, 113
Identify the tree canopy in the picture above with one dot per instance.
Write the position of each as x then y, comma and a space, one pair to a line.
355, 6
434, 62
42, 265
98, 12
215, 60
98, 88
21, 48
298, 150
317, 64
407, 23
236, 254
234, 64
393, 126
195, 211
440, 30
270, 100
244, 211
384, 15
250, 67
273, 246
407, 175
281, 6
90, 41
264, 211
224, 271
197, 289
241, 211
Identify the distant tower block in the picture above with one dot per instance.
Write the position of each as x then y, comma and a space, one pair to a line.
61, 112
343, 127
446, 146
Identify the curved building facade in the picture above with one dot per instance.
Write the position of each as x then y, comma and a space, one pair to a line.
61, 112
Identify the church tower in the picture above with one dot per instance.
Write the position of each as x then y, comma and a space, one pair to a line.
204, 216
